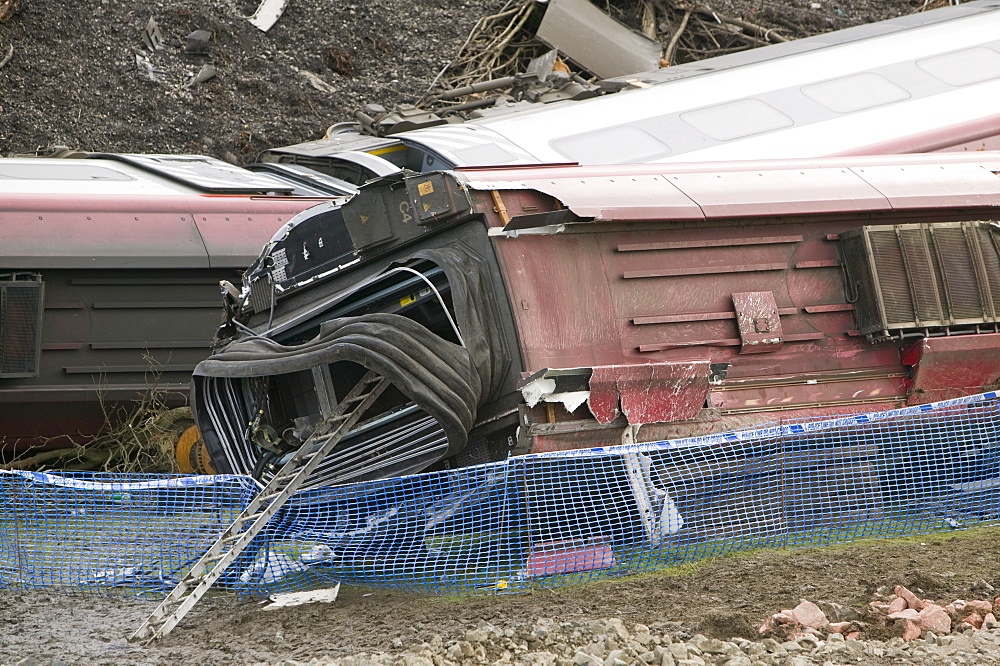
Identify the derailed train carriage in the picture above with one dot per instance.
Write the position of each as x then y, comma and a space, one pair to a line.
547, 308
918, 83
109, 277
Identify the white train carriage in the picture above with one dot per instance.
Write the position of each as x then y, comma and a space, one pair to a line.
919, 83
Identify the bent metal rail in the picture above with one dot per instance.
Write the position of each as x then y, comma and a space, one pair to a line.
539, 520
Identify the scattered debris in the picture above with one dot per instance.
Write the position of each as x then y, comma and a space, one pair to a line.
315, 81
206, 72
551, 558
340, 61
325, 596
7, 56
267, 14
144, 64
197, 42
152, 37
668, 32
595, 41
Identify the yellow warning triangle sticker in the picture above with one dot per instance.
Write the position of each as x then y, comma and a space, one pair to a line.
364, 218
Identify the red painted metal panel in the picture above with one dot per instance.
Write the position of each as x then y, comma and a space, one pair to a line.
549, 558
949, 367
561, 302
758, 321
805, 394
650, 392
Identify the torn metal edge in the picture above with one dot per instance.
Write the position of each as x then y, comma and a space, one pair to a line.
267, 14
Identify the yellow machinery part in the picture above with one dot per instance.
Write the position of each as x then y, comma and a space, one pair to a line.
192, 457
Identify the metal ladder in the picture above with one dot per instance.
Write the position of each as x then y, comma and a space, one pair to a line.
234, 540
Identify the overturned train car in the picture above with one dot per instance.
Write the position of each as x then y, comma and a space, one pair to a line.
548, 308
109, 278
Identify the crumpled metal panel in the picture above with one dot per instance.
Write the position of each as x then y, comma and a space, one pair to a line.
952, 366
595, 41
650, 392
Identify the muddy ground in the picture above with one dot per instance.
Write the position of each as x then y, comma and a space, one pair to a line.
724, 597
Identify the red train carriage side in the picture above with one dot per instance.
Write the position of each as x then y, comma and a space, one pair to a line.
544, 308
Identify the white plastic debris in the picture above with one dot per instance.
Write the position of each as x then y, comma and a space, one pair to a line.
267, 14
324, 596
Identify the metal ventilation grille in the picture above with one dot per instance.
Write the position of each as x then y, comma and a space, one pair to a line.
20, 327
919, 276
260, 293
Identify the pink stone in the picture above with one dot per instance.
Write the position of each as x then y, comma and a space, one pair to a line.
974, 620
935, 618
879, 607
855, 635
981, 607
911, 599
908, 614
911, 630
809, 614
990, 621
839, 627
772, 623
896, 605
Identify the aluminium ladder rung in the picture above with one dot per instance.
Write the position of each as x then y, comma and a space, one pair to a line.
278, 490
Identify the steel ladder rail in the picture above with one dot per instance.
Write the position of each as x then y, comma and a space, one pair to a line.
259, 512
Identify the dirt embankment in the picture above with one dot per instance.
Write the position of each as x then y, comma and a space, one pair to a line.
721, 598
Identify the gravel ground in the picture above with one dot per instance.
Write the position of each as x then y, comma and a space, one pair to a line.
724, 599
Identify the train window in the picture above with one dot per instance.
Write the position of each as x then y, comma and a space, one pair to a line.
56, 170
734, 120
614, 145
963, 68
855, 93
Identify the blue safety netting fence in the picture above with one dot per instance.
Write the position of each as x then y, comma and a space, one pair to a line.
532, 521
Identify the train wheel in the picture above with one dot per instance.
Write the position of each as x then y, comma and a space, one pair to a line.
192, 456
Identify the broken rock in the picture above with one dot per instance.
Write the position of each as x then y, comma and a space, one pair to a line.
840, 627
911, 599
935, 618
911, 630
809, 614
973, 620
906, 614
896, 605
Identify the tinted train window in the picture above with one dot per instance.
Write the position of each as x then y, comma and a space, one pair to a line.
855, 92
737, 119
615, 145
963, 68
